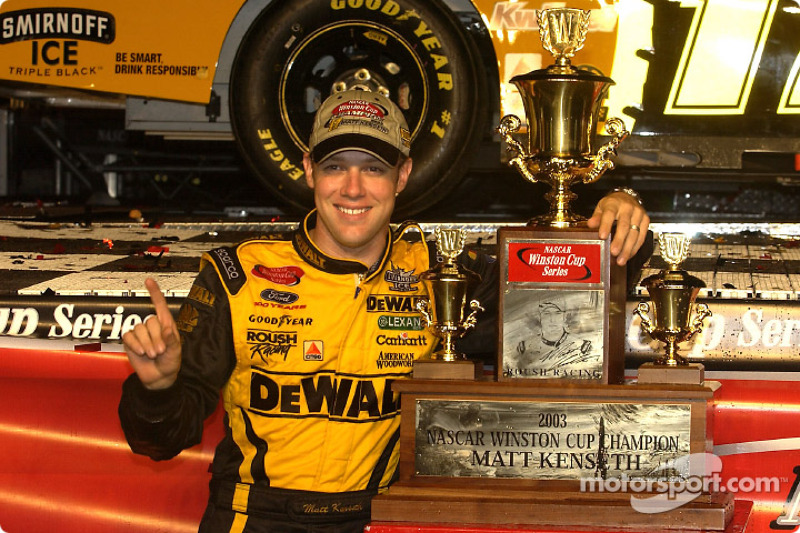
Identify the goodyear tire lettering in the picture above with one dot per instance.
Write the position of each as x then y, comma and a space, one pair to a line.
389, 8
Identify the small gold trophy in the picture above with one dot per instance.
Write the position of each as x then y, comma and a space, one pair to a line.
673, 292
562, 104
444, 311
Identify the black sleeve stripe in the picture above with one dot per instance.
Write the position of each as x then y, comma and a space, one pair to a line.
257, 469
383, 462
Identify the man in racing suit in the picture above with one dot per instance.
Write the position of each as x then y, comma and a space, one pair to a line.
304, 333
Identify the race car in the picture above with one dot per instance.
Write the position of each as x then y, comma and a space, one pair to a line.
698, 83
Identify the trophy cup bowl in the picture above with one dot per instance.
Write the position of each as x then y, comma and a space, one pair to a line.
445, 310
448, 285
562, 105
672, 292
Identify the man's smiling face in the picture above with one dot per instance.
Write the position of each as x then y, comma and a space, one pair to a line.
354, 193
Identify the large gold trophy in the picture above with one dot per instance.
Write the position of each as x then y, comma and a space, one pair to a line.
557, 252
672, 292
562, 104
445, 310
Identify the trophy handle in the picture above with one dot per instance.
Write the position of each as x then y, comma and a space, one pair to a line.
601, 162
510, 124
642, 310
471, 319
702, 311
422, 306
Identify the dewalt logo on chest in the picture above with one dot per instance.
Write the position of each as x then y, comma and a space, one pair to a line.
336, 397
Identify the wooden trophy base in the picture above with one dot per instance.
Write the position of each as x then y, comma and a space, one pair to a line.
545, 453
406, 503
691, 374
435, 369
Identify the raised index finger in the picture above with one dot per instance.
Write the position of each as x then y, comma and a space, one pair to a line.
159, 302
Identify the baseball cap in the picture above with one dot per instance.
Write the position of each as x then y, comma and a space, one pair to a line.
360, 120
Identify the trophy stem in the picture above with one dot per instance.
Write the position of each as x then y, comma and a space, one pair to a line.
448, 351
559, 215
562, 198
671, 356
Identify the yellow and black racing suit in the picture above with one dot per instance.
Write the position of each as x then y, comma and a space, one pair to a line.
304, 348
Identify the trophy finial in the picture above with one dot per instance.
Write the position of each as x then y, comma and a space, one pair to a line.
450, 242
563, 32
674, 248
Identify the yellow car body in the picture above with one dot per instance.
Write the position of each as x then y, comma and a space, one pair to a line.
170, 50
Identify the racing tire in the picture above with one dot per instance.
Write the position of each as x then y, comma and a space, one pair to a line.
298, 52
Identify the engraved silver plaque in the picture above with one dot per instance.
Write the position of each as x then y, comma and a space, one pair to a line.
549, 440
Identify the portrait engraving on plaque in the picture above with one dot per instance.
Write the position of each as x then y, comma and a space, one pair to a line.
553, 334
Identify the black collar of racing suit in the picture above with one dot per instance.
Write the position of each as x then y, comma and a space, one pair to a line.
317, 258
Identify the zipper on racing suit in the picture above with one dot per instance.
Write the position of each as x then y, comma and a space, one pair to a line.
359, 279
